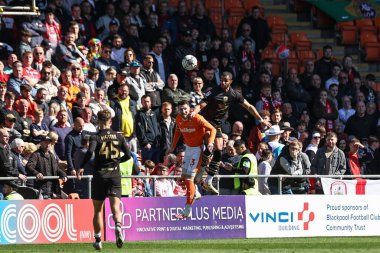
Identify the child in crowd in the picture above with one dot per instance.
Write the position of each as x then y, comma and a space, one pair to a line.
110, 78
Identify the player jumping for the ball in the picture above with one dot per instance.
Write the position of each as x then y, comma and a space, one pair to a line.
107, 146
193, 130
214, 108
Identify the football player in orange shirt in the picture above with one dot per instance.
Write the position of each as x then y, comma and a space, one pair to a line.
193, 130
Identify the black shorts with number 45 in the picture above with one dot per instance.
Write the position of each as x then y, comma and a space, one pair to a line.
106, 184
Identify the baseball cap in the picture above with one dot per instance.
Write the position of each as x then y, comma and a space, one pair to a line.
186, 32
113, 22
135, 64
316, 135
123, 72
81, 95
46, 138
10, 117
17, 143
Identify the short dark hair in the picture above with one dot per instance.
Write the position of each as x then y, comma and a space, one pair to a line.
183, 102
239, 143
104, 115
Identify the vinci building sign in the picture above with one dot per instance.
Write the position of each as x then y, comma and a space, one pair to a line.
316, 215
47, 221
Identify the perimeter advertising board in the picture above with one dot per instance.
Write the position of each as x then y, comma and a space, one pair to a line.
154, 219
312, 215
46, 221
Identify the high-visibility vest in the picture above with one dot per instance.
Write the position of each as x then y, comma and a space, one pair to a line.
252, 170
250, 191
126, 183
14, 196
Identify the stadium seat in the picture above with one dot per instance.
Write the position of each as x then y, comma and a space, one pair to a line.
231, 4
304, 55
28, 192
248, 4
277, 24
370, 45
279, 39
213, 4
377, 23
365, 25
300, 41
347, 32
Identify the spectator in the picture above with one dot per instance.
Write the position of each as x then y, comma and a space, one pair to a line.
336, 68
46, 83
329, 160
161, 62
355, 124
163, 186
67, 52
16, 79
102, 24
298, 96
246, 30
43, 163
354, 162
125, 111
264, 168
154, 83
25, 43
62, 128
132, 39
274, 135
148, 131
167, 127
349, 68
324, 65
346, 111
38, 129
292, 162
257, 133
137, 81
104, 62
260, 32
174, 95
230, 157
325, 108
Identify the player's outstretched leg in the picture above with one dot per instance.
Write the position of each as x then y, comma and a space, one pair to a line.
119, 235
213, 169
205, 158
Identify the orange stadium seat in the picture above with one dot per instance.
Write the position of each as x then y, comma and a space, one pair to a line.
370, 45
377, 23
230, 4
279, 39
365, 25
300, 41
248, 4
277, 24
347, 31
213, 4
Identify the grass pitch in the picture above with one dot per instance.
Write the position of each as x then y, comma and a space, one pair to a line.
283, 245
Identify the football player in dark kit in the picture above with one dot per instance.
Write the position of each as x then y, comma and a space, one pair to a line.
107, 145
214, 108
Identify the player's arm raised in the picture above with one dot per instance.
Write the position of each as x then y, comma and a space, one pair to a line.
198, 108
252, 110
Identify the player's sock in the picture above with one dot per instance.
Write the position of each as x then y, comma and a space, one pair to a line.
98, 237
190, 191
215, 162
119, 235
209, 179
187, 210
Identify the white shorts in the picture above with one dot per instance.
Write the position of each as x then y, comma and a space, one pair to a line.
192, 160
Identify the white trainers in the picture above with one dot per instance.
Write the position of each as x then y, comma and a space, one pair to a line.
119, 237
210, 188
98, 245
197, 195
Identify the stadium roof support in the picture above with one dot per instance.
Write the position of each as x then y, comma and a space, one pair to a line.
20, 10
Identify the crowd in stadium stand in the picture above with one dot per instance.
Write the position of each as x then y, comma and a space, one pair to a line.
59, 69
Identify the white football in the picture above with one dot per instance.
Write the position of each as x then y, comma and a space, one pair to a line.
189, 62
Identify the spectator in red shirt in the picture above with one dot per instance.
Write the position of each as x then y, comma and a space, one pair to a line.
354, 166
29, 73
3, 77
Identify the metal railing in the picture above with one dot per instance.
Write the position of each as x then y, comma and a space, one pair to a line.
218, 177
